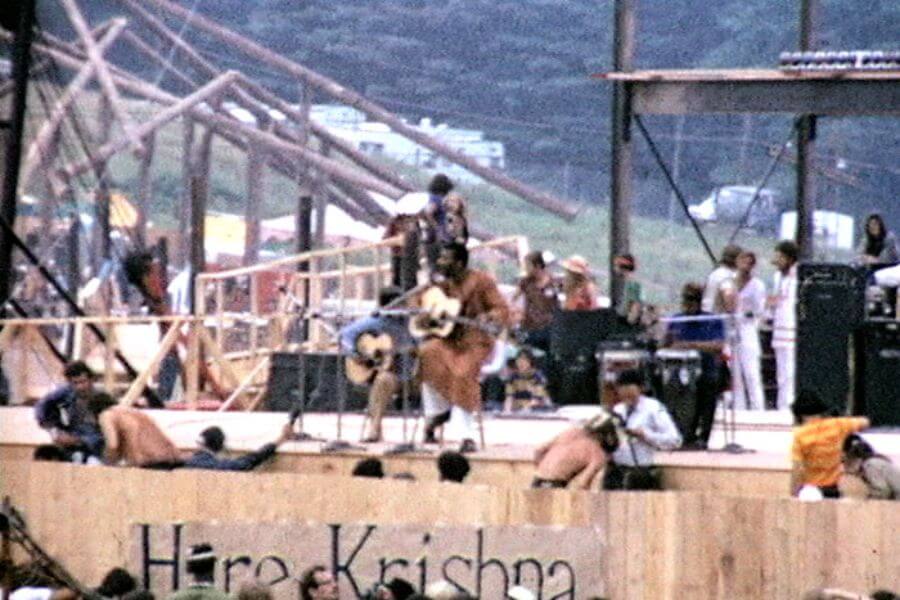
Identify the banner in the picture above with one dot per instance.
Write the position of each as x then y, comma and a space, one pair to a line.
554, 562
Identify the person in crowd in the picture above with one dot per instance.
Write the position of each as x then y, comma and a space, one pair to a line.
695, 329
750, 306
881, 476
254, 589
369, 467
878, 245
817, 443
580, 292
64, 413
117, 583
453, 466
131, 437
201, 566
212, 445
526, 386
574, 457
318, 583
457, 210
395, 589
394, 370
450, 367
444, 590
648, 427
718, 294
541, 301
519, 592
434, 216
630, 304
783, 303
402, 224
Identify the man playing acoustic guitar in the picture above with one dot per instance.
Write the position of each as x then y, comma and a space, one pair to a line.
379, 348
450, 365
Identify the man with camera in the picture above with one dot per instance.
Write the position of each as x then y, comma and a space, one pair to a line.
647, 427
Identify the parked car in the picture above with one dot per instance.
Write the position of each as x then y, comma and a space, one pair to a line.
730, 203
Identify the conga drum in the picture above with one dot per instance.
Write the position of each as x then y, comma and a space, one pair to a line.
679, 371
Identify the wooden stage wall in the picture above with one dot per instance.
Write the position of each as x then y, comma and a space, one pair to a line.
658, 545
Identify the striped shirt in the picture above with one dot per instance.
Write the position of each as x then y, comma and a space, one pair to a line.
817, 445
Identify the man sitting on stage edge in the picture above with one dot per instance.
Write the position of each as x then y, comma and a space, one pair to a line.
576, 455
649, 427
386, 377
450, 366
64, 413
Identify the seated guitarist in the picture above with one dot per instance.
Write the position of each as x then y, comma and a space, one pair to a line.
388, 374
450, 366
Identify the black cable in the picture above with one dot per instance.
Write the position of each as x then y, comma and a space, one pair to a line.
681, 199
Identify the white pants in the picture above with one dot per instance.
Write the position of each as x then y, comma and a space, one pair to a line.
888, 277
785, 357
462, 422
745, 369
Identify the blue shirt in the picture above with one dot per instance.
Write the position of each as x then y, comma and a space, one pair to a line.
61, 410
394, 326
710, 329
204, 459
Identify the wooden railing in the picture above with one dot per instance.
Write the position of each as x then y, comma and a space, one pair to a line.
242, 316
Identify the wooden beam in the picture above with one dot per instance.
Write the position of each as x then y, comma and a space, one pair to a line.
259, 100
163, 117
256, 180
40, 143
144, 196
103, 76
334, 89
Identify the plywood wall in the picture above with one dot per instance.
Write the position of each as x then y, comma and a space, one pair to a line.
658, 545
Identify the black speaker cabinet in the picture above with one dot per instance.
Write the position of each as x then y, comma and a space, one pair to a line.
877, 376
323, 386
830, 308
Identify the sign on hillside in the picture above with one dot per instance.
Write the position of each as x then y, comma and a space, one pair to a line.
553, 562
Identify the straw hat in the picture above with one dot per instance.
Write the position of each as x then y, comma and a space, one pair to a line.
577, 264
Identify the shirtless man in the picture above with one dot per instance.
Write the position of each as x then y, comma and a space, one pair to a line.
132, 438
576, 455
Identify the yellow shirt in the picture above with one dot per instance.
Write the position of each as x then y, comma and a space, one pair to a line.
817, 445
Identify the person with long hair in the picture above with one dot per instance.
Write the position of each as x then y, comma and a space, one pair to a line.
878, 245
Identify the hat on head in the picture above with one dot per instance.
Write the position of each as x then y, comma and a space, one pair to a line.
577, 264
201, 552
519, 593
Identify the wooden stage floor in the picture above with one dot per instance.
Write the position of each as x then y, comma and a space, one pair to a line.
506, 461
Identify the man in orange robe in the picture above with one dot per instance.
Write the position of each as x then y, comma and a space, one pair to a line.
450, 366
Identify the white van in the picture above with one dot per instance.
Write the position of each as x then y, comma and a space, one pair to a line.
729, 204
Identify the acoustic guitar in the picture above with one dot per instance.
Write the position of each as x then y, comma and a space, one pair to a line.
373, 353
439, 314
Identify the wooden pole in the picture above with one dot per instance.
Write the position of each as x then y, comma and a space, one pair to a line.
183, 208
806, 135
258, 100
213, 88
256, 167
95, 55
145, 188
374, 111
40, 145
620, 170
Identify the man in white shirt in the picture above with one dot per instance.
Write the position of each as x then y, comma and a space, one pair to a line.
719, 290
648, 427
749, 307
784, 319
